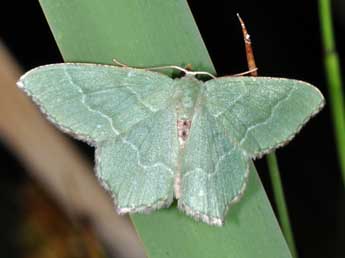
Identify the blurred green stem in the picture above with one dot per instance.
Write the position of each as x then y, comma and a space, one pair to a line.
334, 80
279, 199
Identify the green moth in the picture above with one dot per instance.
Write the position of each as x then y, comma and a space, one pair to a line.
157, 138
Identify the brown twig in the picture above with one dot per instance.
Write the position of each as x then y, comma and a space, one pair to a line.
249, 50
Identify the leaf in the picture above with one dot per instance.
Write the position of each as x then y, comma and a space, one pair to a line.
91, 32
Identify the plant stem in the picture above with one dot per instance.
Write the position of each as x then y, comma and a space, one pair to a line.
334, 80
279, 199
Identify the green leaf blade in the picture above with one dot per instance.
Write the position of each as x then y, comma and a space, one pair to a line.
123, 27
169, 233
149, 33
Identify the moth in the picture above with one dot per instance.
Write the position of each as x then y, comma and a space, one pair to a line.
159, 138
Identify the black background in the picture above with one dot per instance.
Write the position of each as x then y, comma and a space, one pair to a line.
286, 41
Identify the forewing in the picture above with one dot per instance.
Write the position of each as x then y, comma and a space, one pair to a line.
95, 102
138, 167
260, 114
214, 171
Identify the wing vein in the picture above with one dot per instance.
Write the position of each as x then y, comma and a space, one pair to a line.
83, 94
267, 119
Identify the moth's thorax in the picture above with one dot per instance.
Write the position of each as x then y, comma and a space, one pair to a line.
187, 92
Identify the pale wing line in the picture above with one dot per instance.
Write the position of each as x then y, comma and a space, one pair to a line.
215, 169
145, 167
156, 205
242, 123
223, 196
104, 90
188, 173
229, 153
210, 176
230, 106
80, 90
198, 169
214, 220
220, 159
266, 120
152, 109
232, 103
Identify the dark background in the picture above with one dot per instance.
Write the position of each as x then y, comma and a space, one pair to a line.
286, 41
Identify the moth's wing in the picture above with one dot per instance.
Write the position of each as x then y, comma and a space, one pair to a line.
138, 167
95, 102
213, 172
127, 114
261, 114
